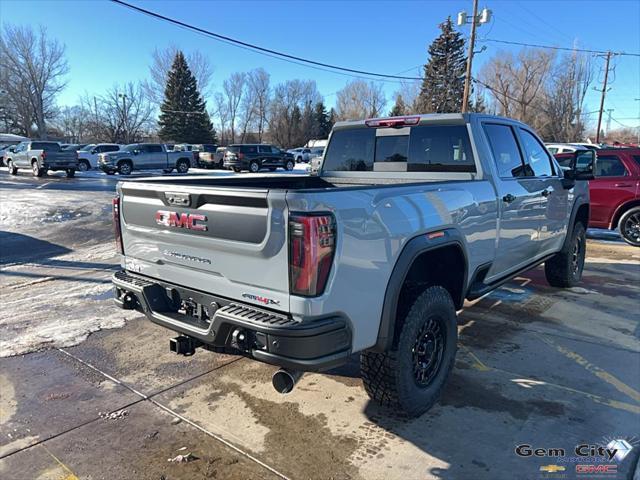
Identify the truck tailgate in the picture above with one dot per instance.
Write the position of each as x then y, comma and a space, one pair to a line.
226, 241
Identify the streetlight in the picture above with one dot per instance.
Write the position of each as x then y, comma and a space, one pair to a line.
484, 17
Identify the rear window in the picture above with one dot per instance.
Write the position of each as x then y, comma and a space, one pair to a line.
46, 146
427, 148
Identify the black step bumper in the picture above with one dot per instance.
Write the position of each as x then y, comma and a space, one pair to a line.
234, 327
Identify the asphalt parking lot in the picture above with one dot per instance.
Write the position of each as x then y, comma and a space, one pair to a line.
89, 391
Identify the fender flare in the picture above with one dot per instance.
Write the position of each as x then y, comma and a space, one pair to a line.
411, 251
579, 202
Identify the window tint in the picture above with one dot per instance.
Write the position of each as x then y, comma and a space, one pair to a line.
154, 148
351, 150
505, 150
537, 155
275, 150
637, 159
110, 148
610, 166
46, 146
264, 149
444, 148
249, 149
392, 148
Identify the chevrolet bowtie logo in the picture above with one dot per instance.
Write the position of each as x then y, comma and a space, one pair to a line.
552, 468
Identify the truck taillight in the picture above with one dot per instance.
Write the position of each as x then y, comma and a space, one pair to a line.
117, 228
312, 244
43, 155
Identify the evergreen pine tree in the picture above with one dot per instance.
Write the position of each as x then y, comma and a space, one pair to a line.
443, 84
183, 113
400, 108
321, 121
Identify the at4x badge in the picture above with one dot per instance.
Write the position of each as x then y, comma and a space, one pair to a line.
263, 300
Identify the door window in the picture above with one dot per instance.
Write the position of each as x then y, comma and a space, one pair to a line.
264, 149
536, 154
154, 148
610, 166
506, 153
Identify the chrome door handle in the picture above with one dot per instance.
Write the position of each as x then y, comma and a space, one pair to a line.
508, 198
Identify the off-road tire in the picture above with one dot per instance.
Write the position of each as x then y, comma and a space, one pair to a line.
36, 170
125, 167
13, 170
389, 377
629, 226
182, 166
564, 269
71, 173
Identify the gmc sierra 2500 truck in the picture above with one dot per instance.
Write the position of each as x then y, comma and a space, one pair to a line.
407, 218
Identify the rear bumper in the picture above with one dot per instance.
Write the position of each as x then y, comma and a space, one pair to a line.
60, 165
234, 327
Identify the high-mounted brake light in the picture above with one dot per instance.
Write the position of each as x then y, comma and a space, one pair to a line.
392, 122
117, 228
312, 243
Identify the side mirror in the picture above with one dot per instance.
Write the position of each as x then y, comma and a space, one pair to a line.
583, 165
94, 150
12, 149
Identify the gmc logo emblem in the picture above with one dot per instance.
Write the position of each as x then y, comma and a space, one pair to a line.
190, 221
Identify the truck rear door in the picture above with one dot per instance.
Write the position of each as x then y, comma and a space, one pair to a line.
229, 242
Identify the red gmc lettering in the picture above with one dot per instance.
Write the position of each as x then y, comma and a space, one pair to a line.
182, 220
604, 468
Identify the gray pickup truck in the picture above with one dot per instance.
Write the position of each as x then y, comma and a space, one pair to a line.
407, 218
40, 157
144, 156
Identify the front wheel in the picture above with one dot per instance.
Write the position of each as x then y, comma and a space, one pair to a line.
254, 167
289, 165
412, 375
182, 166
125, 167
564, 269
629, 226
84, 166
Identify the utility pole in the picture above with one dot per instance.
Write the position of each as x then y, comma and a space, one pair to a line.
609, 110
604, 91
124, 117
476, 19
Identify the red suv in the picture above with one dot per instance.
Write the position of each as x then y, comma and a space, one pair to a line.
615, 191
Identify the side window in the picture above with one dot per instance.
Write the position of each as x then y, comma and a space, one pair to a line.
275, 150
248, 149
110, 148
610, 166
505, 150
440, 148
154, 148
537, 155
264, 149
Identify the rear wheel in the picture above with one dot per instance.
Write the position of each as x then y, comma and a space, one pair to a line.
13, 170
564, 269
412, 375
182, 166
84, 165
629, 226
289, 165
36, 170
125, 167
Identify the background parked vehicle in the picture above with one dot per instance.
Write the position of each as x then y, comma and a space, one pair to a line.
254, 157
88, 158
555, 148
615, 191
301, 154
204, 155
40, 157
74, 147
144, 156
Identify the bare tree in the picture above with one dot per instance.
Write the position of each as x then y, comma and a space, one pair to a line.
222, 114
124, 114
233, 88
289, 99
360, 99
161, 62
260, 90
33, 68
72, 122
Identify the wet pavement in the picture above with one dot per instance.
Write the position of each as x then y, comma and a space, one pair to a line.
101, 396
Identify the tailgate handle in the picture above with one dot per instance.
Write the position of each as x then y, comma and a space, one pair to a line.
178, 199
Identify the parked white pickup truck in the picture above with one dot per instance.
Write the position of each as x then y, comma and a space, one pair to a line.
144, 156
88, 158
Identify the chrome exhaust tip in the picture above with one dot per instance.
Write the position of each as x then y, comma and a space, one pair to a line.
284, 380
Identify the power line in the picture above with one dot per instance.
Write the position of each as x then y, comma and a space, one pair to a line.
569, 49
257, 48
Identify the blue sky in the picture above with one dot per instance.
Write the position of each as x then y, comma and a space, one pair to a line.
107, 43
